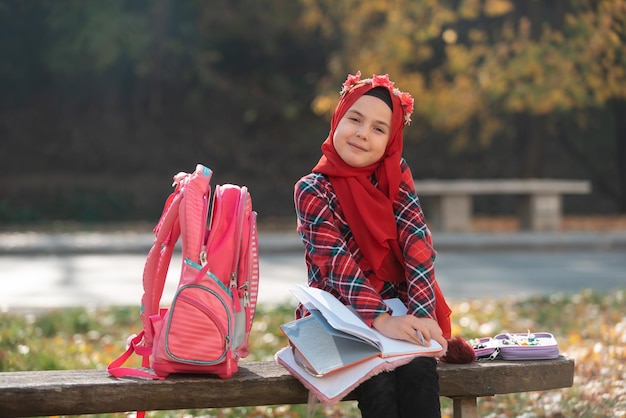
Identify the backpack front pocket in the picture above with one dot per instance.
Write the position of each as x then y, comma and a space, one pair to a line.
198, 330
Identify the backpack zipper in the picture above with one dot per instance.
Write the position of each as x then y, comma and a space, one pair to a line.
242, 212
202, 257
253, 244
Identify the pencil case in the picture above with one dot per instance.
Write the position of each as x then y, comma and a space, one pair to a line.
520, 346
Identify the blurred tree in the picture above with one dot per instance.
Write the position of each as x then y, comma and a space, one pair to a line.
529, 71
108, 98
131, 50
245, 49
102, 100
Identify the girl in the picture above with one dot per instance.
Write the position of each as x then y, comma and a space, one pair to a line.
366, 240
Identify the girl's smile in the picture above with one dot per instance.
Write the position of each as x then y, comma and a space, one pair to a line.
358, 147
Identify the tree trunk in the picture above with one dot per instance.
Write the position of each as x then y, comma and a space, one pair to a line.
619, 111
530, 141
159, 25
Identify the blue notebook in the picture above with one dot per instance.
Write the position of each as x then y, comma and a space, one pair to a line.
322, 349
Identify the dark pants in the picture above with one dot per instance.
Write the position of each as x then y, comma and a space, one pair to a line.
410, 391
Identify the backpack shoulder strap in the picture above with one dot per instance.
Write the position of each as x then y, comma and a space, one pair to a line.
183, 208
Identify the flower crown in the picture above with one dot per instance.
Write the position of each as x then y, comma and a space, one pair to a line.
383, 81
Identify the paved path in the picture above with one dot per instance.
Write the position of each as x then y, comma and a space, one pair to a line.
46, 271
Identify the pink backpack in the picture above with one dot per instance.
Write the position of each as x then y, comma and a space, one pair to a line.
206, 328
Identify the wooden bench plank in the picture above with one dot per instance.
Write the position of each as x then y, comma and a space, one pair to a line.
72, 392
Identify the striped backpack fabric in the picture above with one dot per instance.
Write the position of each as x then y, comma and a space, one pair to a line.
206, 327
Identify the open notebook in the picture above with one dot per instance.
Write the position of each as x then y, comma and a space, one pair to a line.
333, 350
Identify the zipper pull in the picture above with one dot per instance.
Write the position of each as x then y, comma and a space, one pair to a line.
495, 353
245, 294
203, 258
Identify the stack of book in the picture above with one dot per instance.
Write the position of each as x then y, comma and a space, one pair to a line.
332, 350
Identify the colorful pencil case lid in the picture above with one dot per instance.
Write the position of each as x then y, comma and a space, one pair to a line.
520, 346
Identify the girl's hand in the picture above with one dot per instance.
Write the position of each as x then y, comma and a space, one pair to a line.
409, 328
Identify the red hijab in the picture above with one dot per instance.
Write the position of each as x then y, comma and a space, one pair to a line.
369, 209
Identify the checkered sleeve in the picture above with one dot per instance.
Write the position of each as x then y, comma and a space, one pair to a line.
331, 254
416, 243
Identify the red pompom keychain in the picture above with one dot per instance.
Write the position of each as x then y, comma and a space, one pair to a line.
459, 352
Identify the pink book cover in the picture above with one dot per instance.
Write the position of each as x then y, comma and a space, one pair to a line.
333, 387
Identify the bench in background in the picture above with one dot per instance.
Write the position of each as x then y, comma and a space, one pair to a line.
448, 203
73, 392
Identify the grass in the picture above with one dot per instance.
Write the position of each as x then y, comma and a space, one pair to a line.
589, 326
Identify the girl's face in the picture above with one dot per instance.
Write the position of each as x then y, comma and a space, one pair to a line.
362, 134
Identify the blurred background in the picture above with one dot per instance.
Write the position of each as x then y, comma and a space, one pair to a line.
102, 102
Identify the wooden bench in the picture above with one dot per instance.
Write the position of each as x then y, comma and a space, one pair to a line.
448, 203
72, 392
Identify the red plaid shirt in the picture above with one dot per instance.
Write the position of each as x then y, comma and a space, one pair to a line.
332, 255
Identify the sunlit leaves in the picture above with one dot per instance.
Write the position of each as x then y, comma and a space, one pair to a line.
498, 7
503, 63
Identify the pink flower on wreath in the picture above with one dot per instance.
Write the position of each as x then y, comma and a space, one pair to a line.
407, 104
350, 82
381, 81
